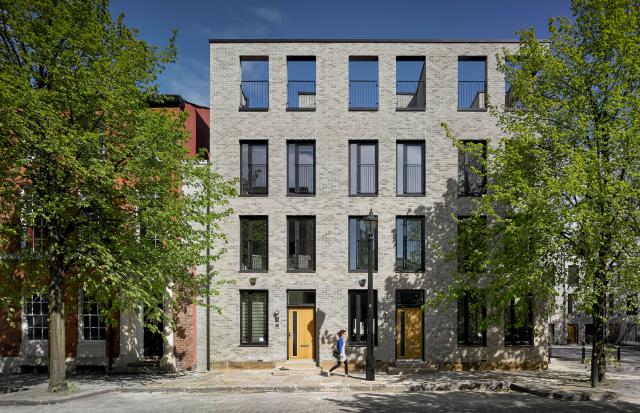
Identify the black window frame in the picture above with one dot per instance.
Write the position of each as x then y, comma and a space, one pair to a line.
292, 219
250, 144
465, 169
403, 304
486, 83
421, 84
404, 175
251, 343
250, 218
262, 108
30, 317
512, 333
404, 219
90, 312
461, 256
466, 301
297, 144
359, 143
351, 306
355, 245
300, 58
352, 106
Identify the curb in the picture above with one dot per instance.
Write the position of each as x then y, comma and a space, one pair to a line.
570, 395
25, 402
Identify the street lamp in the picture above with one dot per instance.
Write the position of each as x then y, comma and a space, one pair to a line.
371, 222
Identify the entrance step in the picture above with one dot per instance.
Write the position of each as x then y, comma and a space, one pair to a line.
402, 367
297, 366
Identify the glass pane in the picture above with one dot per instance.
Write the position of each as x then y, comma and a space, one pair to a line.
292, 166
244, 154
400, 243
305, 168
244, 321
367, 175
259, 154
400, 168
353, 168
258, 318
301, 298
410, 298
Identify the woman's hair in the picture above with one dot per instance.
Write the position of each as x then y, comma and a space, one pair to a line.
341, 332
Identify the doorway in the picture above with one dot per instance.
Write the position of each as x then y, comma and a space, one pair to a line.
572, 333
153, 341
301, 325
409, 325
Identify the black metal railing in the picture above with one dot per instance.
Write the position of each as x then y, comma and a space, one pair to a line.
472, 95
410, 95
366, 179
302, 255
255, 181
254, 255
413, 175
412, 257
254, 95
363, 95
304, 180
301, 95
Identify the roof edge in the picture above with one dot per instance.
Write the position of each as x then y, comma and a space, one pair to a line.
236, 40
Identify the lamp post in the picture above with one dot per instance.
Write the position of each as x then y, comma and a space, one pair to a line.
371, 222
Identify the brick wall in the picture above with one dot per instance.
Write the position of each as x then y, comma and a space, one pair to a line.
185, 338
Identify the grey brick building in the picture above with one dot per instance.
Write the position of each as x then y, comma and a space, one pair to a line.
320, 132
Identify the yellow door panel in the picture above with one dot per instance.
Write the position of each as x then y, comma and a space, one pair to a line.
409, 333
301, 331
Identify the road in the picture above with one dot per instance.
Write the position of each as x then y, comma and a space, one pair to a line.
325, 403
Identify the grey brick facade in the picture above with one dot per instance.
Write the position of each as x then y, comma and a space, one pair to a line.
332, 126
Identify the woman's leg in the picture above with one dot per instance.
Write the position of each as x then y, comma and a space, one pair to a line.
335, 367
346, 368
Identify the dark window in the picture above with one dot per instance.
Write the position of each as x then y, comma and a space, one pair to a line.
471, 170
36, 312
472, 314
409, 298
472, 244
254, 86
301, 168
254, 243
518, 326
588, 333
572, 277
570, 303
410, 168
410, 83
302, 243
301, 86
253, 317
552, 333
359, 245
254, 168
409, 244
363, 83
92, 325
358, 317
301, 298
363, 168
472, 83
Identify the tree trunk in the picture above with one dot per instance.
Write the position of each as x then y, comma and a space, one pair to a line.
598, 355
57, 368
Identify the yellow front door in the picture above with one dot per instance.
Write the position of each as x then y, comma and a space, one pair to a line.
302, 327
409, 333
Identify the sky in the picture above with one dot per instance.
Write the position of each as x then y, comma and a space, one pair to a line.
197, 21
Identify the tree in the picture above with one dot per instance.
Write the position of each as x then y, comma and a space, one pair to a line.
564, 181
93, 172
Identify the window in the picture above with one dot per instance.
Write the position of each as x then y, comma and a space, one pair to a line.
572, 276
92, 325
472, 314
302, 243
254, 318
519, 322
359, 245
301, 86
552, 333
409, 244
254, 168
570, 303
472, 244
410, 83
363, 168
301, 298
409, 298
33, 236
358, 317
588, 333
363, 83
254, 85
36, 313
472, 83
471, 171
301, 168
254, 243
410, 168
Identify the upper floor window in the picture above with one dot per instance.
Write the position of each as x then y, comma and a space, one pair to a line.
254, 165
302, 243
254, 85
92, 325
358, 300
472, 83
518, 326
471, 170
363, 168
359, 244
409, 243
301, 86
410, 83
572, 276
301, 168
571, 303
254, 321
34, 231
363, 83
472, 313
36, 314
410, 168
254, 232
472, 244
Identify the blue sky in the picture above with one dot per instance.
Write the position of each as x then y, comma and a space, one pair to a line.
198, 21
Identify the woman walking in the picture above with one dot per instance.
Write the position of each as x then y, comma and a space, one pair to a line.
340, 355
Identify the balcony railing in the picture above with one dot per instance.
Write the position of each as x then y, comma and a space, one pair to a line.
254, 255
301, 95
363, 95
410, 95
301, 256
254, 95
256, 181
472, 95
304, 182
412, 259
366, 179
413, 175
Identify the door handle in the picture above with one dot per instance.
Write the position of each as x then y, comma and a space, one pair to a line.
289, 334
